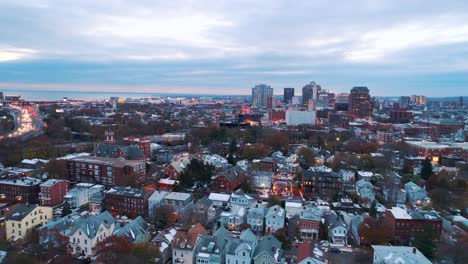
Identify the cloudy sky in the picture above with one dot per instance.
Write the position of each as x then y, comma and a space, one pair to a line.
395, 47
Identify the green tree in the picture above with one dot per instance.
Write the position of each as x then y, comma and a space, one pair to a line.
66, 209
425, 241
307, 156
426, 170
273, 200
57, 169
373, 209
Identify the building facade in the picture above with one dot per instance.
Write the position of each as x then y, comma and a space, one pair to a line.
262, 96
106, 171
359, 101
53, 192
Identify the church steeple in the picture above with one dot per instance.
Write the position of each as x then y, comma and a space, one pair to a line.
109, 136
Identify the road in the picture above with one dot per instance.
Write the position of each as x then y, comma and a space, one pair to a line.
28, 123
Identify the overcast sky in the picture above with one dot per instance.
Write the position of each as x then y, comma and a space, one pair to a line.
395, 47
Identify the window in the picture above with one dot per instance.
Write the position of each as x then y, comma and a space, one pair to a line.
19, 232
243, 254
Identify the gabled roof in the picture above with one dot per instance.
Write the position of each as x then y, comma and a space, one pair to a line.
232, 173
133, 230
90, 225
21, 212
270, 245
248, 235
276, 211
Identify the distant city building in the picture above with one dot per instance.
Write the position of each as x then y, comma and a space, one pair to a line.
342, 102
404, 101
1, 96
262, 96
359, 101
310, 92
288, 95
418, 99
400, 116
295, 118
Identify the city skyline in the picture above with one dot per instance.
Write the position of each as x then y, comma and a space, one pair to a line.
394, 48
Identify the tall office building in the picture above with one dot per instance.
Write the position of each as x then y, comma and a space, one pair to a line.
405, 101
310, 92
288, 95
359, 101
1, 96
262, 96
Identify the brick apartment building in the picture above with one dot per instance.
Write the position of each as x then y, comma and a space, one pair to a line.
20, 190
143, 143
405, 224
52, 192
386, 137
266, 164
321, 180
400, 115
106, 171
119, 200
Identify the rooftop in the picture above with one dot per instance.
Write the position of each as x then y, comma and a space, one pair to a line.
392, 254
128, 192
25, 181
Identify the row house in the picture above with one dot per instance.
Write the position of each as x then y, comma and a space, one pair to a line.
82, 194
229, 179
219, 199
155, 201
309, 223
242, 250
212, 248
178, 201
242, 199
415, 193
26, 218
366, 193
22, 190
262, 179
184, 243
52, 192
256, 217
120, 200
269, 251
204, 211
106, 171
234, 218
405, 224
274, 218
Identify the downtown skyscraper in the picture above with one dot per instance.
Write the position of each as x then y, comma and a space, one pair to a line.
310, 92
288, 95
262, 96
359, 101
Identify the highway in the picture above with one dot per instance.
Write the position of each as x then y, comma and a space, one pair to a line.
28, 123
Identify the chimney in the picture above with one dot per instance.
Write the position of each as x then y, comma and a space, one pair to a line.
414, 250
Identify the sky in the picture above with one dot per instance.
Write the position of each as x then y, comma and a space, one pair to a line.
394, 47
